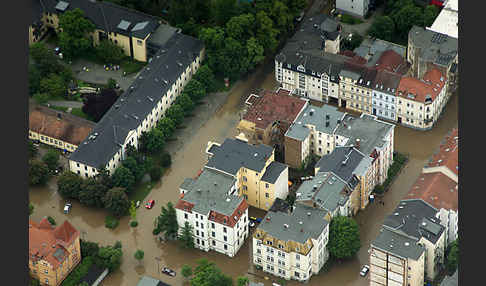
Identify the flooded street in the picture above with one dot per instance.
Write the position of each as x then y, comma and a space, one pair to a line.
187, 158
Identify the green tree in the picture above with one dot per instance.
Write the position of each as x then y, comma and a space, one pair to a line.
155, 173
34, 282
41, 98
176, 113
38, 173
110, 257
88, 248
109, 52
266, 34
31, 209
405, 18
205, 76
167, 126
186, 237
382, 28
242, 281
186, 103
69, 185
111, 83
430, 13
44, 58
222, 11
116, 201
51, 220
152, 141
51, 159
166, 222
123, 177
281, 16
92, 193
34, 80
206, 273
133, 210
33, 150
254, 53
195, 90
452, 258
186, 271
139, 254
53, 85
137, 170
241, 27
165, 160
353, 43
344, 241
73, 38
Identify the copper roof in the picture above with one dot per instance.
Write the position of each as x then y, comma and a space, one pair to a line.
429, 86
271, 106
448, 153
437, 189
49, 243
68, 128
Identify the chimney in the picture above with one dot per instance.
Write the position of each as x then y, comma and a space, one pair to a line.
357, 143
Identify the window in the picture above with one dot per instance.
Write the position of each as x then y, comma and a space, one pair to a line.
214, 234
245, 179
214, 243
139, 42
266, 185
224, 229
202, 241
267, 195
212, 224
225, 247
225, 238
197, 232
197, 224
185, 215
297, 256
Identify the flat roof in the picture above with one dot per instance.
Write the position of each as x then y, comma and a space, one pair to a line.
398, 245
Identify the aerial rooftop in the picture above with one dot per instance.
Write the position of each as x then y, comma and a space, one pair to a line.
373, 49
303, 223
399, 245
447, 22
448, 153
437, 189
425, 90
317, 117
437, 48
386, 82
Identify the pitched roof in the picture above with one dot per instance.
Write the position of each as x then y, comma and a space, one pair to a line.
437, 189
386, 81
58, 124
273, 171
234, 154
437, 48
270, 107
393, 62
149, 281
135, 104
422, 90
49, 243
343, 162
448, 153
447, 22
398, 245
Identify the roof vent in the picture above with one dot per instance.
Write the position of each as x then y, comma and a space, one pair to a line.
308, 214
395, 214
256, 154
300, 222
424, 223
286, 225
228, 199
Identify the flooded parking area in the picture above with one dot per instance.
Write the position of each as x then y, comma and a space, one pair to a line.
188, 158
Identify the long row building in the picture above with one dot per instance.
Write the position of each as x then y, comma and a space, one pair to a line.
407, 85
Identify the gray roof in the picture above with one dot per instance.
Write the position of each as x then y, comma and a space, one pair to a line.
333, 162
187, 184
370, 131
135, 104
312, 226
234, 154
107, 16
313, 61
210, 192
435, 47
386, 82
451, 280
398, 245
371, 50
149, 281
161, 35
350, 74
279, 205
326, 190
317, 119
273, 171
415, 218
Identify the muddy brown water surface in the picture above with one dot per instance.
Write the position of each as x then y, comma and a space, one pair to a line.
188, 158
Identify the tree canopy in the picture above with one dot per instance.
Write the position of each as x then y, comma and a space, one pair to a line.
206, 273
123, 177
166, 222
152, 141
452, 258
344, 240
51, 159
116, 201
73, 38
69, 185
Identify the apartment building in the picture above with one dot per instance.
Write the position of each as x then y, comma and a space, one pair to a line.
330, 193
210, 204
313, 132
56, 128
426, 47
269, 115
140, 107
384, 100
355, 87
417, 220
396, 260
354, 168
357, 8
421, 101
53, 251
447, 22
133, 31
438, 185
259, 177
292, 245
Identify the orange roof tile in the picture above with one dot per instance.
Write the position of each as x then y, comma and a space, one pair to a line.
436, 189
448, 153
231, 220
431, 85
392, 61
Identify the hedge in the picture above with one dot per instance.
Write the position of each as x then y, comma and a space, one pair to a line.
79, 272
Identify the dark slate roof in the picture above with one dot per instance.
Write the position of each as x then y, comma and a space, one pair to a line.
113, 128
386, 82
451, 280
333, 162
279, 205
234, 154
311, 227
438, 48
107, 16
37, 10
398, 245
161, 35
273, 171
415, 218
313, 61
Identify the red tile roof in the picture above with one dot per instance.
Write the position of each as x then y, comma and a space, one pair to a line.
45, 241
231, 220
392, 61
183, 205
448, 154
430, 85
436, 189
272, 106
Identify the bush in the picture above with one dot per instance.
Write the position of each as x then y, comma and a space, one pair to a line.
133, 223
41, 98
155, 173
34, 282
111, 222
51, 159
156, 231
347, 19
88, 248
79, 272
109, 53
165, 160
51, 220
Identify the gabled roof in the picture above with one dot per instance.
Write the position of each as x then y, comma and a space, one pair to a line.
422, 90
398, 245
316, 116
448, 153
273, 172
437, 189
386, 82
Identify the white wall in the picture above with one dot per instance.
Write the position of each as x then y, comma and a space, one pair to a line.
281, 185
355, 7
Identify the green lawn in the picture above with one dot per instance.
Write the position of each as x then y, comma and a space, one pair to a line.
131, 66
61, 108
79, 112
347, 19
140, 191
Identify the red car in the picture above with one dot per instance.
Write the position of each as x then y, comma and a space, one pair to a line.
150, 204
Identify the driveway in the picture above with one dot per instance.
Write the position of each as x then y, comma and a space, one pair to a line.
362, 28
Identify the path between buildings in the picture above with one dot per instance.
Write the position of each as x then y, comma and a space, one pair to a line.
362, 28
65, 103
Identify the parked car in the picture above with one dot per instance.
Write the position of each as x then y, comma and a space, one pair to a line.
364, 270
137, 204
149, 204
168, 271
298, 19
67, 207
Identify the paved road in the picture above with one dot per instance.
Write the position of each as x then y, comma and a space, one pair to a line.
66, 103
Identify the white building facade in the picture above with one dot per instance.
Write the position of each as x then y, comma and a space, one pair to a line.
353, 7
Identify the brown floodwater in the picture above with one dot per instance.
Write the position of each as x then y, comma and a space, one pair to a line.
186, 162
